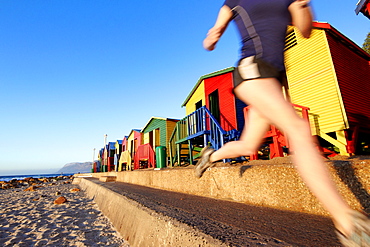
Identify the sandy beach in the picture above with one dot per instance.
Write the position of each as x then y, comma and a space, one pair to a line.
31, 218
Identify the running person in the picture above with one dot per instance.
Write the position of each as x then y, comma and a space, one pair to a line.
258, 82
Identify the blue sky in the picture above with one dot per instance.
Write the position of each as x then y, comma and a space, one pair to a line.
73, 71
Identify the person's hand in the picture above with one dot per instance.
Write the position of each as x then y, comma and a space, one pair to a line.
214, 34
303, 3
212, 38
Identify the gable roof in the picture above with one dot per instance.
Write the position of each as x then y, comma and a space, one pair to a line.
111, 145
160, 118
220, 72
338, 35
134, 130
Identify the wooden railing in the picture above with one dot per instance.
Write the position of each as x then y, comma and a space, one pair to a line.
199, 122
278, 138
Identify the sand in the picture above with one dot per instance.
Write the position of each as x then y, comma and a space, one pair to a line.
30, 218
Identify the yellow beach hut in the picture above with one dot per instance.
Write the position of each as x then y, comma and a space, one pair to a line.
134, 140
330, 74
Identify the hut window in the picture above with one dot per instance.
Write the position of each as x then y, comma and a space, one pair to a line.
133, 144
290, 40
151, 139
157, 137
214, 105
198, 105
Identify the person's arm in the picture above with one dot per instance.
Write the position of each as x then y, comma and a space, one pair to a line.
301, 16
214, 34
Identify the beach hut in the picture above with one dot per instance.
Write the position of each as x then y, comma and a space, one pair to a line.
328, 85
330, 74
131, 143
214, 116
117, 153
101, 159
96, 166
214, 91
124, 155
156, 134
363, 6
109, 152
105, 158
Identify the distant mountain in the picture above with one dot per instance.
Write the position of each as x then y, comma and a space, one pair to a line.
76, 167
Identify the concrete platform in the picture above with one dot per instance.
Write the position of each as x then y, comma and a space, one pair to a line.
260, 203
107, 178
151, 217
274, 183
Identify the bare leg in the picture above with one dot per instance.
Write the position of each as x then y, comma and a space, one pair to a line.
251, 138
266, 97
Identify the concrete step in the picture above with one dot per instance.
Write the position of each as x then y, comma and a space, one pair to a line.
269, 183
266, 185
151, 217
107, 178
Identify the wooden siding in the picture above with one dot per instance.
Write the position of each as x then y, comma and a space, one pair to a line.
146, 138
224, 84
171, 125
130, 138
196, 97
353, 75
154, 124
240, 105
118, 147
134, 135
161, 130
124, 143
313, 82
139, 137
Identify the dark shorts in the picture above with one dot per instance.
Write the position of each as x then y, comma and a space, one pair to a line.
250, 68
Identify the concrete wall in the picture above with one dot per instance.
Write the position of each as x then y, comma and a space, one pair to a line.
141, 226
263, 183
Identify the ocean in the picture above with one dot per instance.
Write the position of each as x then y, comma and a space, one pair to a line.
19, 177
